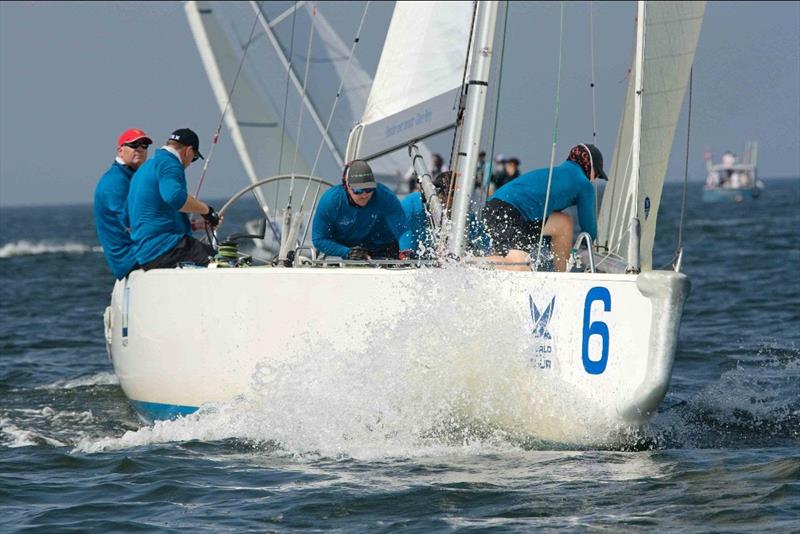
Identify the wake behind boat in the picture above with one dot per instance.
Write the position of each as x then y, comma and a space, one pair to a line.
583, 356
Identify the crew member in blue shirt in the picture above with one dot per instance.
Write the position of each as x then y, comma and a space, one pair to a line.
513, 215
418, 238
158, 204
111, 198
359, 219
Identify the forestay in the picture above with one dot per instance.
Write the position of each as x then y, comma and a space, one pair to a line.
671, 34
417, 85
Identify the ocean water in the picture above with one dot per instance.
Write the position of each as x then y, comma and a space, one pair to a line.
722, 454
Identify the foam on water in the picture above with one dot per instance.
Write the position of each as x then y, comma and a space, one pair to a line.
103, 378
28, 248
398, 395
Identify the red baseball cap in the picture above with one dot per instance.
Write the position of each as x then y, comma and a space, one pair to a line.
129, 136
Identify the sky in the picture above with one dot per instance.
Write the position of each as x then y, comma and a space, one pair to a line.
73, 75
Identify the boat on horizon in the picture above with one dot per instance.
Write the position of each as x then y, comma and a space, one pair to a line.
733, 179
577, 358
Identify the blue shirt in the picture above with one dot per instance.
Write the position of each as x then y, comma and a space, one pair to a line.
417, 223
570, 187
339, 224
158, 191
111, 219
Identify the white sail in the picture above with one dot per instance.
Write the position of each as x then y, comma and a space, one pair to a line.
251, 119
260, 117
417, 85
672, 30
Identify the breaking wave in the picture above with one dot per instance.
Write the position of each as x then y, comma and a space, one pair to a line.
28, 248
98, 379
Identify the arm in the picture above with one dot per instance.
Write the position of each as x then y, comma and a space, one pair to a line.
322, 230
395, 216
586, 209
408, 240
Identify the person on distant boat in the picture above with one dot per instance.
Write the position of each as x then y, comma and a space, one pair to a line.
359, 219
418, 238
158, 204
111, 199
726, 172
513, 215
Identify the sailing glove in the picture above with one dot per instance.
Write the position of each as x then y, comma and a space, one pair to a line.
212, 217
358, 253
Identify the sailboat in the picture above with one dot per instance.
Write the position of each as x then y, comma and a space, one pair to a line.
580, 357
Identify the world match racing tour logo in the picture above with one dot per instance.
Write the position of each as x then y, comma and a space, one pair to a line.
544, 348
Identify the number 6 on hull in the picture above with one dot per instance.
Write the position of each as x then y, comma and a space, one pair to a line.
598, 328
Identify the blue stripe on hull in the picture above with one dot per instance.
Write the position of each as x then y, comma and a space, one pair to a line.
155, 411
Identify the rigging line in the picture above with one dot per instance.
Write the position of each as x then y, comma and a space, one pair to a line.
356, 40
285, 105
685, 167
302, 96
594, 114
555, 138
490, 169
461, 96
215, 139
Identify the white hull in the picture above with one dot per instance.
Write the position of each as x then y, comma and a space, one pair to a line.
196, 336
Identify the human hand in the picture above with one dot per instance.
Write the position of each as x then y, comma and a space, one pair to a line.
198, 224
358, 253
212, 218
407, 254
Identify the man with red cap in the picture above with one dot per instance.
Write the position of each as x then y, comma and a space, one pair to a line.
111, 198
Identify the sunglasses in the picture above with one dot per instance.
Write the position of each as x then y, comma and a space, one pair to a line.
137, 144
196, 157
363, 191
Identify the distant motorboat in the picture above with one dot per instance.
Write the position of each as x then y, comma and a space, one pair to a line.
732, 179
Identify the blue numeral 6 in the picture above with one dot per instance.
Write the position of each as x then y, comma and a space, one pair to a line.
597, 328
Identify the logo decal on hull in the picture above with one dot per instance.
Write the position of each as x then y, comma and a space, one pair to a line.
543, 339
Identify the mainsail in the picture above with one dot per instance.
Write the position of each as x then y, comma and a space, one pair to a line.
417, 86
671, 31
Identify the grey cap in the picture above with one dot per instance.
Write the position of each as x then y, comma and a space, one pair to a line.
359, 175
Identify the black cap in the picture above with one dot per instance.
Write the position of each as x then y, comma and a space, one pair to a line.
187, 137
359, 175
597, 162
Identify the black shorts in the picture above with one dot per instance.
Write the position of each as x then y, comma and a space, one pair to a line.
188, 249
508, 228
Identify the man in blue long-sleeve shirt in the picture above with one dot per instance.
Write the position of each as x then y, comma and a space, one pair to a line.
359, 219
513, 215
111, 198
158, 204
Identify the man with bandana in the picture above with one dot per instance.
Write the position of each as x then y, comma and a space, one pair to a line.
513, 215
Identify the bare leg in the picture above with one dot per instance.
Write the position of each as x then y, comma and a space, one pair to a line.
559, 229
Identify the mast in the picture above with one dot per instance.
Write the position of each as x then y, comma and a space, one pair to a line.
478, 85
634, 263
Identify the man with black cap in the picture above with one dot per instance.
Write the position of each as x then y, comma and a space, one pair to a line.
359, 219
158, 204
111, 198
513, 215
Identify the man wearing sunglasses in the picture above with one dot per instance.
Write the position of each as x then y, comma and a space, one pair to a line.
359, 219
159, 204
110, 202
